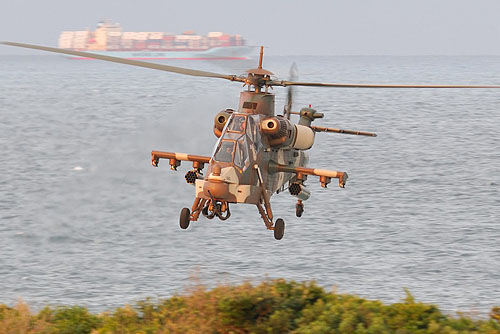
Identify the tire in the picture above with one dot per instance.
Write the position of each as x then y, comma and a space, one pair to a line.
279, 229
184, 218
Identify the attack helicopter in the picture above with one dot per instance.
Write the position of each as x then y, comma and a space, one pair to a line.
258, 153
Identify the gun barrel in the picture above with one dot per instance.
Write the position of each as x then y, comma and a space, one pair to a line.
348, 132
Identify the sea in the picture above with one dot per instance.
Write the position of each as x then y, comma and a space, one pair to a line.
85, 219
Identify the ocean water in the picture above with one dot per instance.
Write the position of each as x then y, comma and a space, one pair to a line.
85, 219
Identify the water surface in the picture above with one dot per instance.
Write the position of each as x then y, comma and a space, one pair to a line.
85, 219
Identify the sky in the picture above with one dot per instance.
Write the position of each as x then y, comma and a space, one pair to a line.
284, 27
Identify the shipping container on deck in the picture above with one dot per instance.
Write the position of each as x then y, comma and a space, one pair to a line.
168, 40
66, 40
127, 41
155, 40
109, 37
114, 40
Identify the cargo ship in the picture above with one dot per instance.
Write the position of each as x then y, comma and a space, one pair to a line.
109, 39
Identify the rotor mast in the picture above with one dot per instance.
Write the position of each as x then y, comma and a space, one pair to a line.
261, 56
259, 77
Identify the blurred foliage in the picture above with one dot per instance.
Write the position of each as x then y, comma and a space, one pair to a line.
72, 320
19, 320
271, 307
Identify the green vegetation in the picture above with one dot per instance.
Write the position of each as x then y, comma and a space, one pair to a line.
270, 307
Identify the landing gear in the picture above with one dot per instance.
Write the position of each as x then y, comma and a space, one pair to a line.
299, 208
207, 208
219, 209
211, 208
204, 212
185, 218
279, 229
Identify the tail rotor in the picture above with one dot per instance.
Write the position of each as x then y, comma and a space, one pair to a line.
294, 75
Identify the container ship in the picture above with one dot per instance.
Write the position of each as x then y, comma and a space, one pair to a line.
109, 39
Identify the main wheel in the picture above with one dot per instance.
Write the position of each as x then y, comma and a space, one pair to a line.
184, 218
279, 229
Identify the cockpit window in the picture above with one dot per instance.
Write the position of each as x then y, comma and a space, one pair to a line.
253, 131
238, 158
241, 158
225, 151
238, 124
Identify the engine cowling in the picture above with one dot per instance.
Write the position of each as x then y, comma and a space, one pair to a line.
282, 133
304, 137
220, 121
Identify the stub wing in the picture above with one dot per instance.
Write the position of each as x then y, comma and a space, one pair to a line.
325, 175
174, 159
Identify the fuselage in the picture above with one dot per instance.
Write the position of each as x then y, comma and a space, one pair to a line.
243, 153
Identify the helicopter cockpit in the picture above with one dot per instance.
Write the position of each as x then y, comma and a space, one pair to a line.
239, 142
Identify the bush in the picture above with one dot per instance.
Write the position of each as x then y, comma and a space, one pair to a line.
270, 307
73, 320
19, 320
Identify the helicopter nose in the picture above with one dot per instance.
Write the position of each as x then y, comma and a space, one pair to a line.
216, 189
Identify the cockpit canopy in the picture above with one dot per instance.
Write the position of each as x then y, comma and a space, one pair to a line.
240, 141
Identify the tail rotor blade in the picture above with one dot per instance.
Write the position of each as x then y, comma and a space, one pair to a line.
293, 74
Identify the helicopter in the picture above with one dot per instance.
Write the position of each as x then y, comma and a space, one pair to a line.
258, 153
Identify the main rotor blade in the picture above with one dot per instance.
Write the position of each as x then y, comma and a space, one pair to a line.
285, 83
347, 132
161, 67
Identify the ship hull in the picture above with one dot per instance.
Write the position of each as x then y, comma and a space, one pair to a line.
229, 52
